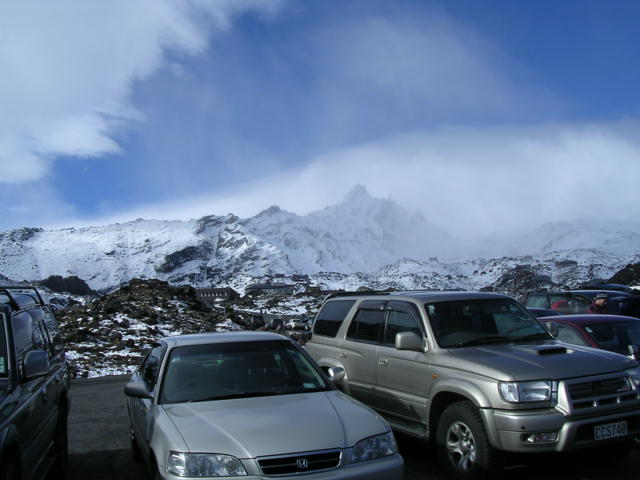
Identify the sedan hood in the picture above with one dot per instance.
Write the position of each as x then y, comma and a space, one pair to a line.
261, 426
533, 362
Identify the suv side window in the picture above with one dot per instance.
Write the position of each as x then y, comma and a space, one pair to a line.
27, 336
150, 368
37, 318
402, 317
366, 326
331, 316
54, 333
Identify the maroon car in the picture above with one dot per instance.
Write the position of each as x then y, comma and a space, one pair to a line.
615, 333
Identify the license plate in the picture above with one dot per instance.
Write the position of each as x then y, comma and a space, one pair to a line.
610, 430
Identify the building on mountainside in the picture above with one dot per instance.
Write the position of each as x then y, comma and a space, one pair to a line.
209, 295
270, 289
300, 278
566, 263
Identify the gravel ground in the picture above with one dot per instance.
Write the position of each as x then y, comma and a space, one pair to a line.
99, 446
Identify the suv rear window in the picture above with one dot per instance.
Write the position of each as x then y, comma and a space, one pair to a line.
331, 316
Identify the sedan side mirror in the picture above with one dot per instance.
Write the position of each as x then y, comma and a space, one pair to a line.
35, 364
336, 374
409, 341
137, 390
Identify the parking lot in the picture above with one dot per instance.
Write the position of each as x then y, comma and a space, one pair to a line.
99, 445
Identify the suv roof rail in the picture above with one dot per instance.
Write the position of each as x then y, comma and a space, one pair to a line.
353, 294
7, 290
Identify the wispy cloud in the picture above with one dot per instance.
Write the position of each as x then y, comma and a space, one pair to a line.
472, 181
68, 70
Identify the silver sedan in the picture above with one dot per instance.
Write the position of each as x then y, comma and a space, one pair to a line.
253, 405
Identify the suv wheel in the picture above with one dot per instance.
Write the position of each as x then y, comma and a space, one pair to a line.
463, 445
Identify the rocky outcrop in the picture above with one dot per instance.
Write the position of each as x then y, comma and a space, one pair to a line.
111, 333
629, 275
73, 285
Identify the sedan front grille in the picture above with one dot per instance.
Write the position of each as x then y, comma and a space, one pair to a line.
300, 463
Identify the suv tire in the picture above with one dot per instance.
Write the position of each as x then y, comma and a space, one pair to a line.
462, 444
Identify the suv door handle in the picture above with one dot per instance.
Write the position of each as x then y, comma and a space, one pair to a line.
44, 394
342, 355
383, 361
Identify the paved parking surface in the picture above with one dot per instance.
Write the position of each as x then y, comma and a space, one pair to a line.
99, 446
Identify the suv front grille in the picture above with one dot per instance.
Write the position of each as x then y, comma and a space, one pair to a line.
600, 393
300, 462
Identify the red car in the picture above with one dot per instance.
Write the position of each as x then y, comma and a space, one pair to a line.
615, 333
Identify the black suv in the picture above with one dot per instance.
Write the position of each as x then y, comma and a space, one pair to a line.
34, 388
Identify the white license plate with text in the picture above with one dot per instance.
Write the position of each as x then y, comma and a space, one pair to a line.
610, 430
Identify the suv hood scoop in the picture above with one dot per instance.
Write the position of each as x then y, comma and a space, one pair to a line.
553, 350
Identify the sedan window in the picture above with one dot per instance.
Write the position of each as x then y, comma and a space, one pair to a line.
221, 371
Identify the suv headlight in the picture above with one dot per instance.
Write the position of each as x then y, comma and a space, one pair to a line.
204, 465
634, 376
517, 392
374, 447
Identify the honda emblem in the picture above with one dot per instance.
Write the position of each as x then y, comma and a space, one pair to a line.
302, 463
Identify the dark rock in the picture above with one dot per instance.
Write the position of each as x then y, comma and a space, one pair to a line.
73, 285
629, 275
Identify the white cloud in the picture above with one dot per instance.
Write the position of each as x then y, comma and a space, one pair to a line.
472, 181
68, 69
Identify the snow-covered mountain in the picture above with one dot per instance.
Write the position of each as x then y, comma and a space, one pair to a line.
365, 241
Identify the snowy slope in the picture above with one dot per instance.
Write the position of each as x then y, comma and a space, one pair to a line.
368, 241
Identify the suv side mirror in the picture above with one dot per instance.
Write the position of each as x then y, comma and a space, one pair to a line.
409, 341
35, 364
137, 390
336, 374
633, 352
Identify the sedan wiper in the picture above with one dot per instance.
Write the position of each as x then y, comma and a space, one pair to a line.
481, 340
237, 395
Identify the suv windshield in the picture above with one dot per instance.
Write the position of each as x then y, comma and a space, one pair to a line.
474, 322
221, 371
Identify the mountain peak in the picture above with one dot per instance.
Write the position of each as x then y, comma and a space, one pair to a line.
357, 193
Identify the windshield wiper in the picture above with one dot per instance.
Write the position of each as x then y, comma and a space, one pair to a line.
481, 340
533, 336
237, 395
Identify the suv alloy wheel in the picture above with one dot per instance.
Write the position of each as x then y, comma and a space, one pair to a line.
463, 445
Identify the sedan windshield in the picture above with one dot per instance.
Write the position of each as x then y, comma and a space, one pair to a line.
219, 371
615, 336
476, 322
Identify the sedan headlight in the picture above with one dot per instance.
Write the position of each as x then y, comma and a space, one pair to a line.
374, 447
517, 392
634, 375
204, 465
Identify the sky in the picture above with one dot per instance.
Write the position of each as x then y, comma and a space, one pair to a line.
488, 117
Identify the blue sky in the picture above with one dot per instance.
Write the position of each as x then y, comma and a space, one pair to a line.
468, 111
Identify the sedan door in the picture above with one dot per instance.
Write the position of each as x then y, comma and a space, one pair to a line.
140, 409
403, 376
